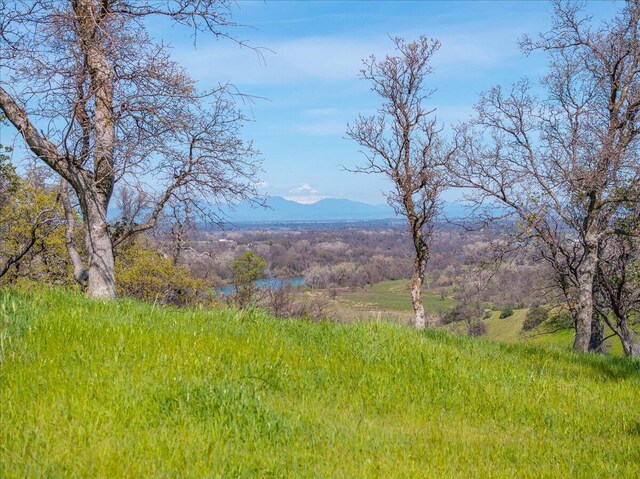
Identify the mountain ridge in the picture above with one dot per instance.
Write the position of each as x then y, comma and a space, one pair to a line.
281, 210
327, 209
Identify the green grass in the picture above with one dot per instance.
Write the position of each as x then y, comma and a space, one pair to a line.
396, 296
390, 297
510, 330
123, 389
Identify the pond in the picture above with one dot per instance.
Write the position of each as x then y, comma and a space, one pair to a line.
272, 283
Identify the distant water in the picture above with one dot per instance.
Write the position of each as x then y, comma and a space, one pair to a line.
273, 283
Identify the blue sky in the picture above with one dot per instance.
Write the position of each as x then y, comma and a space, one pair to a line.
307, 76
310, 82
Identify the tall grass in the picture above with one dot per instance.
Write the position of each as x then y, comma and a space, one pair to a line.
123, 389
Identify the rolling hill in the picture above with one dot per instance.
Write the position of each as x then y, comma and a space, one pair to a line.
127, 389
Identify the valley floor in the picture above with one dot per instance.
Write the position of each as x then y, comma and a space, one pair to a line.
126, 389
391, 300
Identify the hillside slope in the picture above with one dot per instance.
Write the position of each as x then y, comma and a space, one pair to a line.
125, 389
392, 299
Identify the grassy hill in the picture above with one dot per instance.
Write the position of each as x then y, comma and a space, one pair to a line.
125, 389
392, 299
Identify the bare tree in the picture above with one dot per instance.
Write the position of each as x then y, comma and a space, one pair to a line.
102, 103
403, 142
557, 163
618, 281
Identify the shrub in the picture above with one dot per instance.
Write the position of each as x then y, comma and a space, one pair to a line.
506, 312
534, 318
463, 312
476, 329
562, 320
246, 270
24, 203
145, 273
287, 302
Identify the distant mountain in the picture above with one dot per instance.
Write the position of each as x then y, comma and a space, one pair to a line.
280, 210
329, 209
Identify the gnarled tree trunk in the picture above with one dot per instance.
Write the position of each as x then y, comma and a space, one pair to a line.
629, 340
421, 245
101, 278
584, 316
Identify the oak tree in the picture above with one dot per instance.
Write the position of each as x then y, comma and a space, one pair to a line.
101, 102
403, 142
557, 161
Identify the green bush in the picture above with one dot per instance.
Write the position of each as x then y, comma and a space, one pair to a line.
534, 318
246, 270
145, 273
506, 312
24, 203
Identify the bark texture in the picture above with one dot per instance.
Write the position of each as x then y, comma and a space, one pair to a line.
630, 341
585, 313
417, 283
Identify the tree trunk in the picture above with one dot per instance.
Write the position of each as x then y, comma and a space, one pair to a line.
629, 339
584, 317
416, 297
94, 191
419, 271
101, 281
80, 272
596, 343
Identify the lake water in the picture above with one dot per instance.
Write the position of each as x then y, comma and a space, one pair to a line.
273, 283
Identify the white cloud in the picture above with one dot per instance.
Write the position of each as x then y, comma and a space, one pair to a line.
332, 58
304, 188
304, 194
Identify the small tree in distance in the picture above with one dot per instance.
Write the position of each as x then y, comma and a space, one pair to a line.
246, 270
403, 142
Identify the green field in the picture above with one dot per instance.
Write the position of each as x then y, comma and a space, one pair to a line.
123, 389
392, 299
509, 330
395, 296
